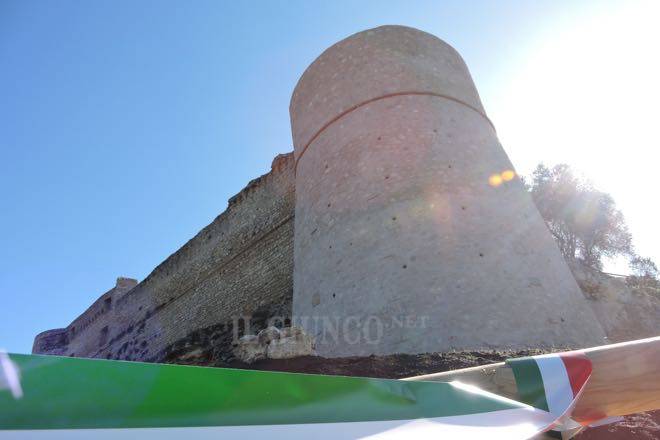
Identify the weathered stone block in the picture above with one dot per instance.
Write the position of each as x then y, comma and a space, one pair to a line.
293, 342
249, 349
268, 334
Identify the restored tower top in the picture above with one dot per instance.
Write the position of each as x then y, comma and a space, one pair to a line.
375, 64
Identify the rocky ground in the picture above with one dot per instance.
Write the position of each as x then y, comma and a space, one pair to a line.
392, 366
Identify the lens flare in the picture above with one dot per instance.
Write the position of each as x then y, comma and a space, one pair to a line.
508, 175
495, 180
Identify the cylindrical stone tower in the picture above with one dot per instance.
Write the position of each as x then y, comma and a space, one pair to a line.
412, 233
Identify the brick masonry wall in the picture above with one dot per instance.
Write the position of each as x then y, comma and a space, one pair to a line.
239, 265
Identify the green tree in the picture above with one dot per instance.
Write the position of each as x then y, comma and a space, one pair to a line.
645, 274
585, 222
643, 267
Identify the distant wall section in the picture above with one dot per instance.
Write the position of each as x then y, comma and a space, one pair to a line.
239, 264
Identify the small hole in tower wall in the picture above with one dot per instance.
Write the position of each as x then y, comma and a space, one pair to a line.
481, 255
393, 219
405, 266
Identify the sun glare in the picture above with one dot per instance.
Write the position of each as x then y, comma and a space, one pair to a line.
587, 94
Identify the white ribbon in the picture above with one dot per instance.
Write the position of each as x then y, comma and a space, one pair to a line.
10, 376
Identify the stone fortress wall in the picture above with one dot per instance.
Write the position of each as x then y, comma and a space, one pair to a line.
377, 233
61, 341
239, 265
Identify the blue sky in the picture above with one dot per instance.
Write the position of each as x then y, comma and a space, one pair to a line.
125, 126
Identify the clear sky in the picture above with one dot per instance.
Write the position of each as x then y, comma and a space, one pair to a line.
125, 126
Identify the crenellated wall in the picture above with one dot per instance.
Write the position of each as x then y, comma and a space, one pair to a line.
236, 266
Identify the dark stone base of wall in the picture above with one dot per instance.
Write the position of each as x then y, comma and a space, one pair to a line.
392, 366
213, 346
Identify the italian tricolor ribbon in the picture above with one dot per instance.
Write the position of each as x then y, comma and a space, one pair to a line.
553, 383
67, 397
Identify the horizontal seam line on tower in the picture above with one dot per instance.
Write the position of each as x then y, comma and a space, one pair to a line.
390, 95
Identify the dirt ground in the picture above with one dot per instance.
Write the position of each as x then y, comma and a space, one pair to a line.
644, 426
